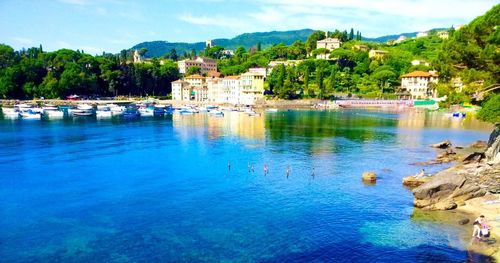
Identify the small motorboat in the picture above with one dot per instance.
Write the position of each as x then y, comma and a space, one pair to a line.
131, 112
103, 112
272, 110
216, 113
458, 114
83, 110
52, 112
30, 115
147, 111
10, 113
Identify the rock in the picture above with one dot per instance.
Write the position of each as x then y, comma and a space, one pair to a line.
493, 152
414, 181
473, 157
479, 145
370, 177
463, 221
442, 145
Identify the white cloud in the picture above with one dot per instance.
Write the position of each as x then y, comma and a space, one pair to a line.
75, 2
23, 40
217, 20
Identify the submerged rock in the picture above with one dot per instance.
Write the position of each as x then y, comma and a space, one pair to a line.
463, 221
470, 179
370, 177
442, 145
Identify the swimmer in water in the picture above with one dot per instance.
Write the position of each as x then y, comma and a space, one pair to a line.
312, 174
287, 171
228, 165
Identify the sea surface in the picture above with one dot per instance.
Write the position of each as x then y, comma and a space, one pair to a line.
193, 188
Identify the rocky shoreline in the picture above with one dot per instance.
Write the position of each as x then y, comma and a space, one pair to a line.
471, 186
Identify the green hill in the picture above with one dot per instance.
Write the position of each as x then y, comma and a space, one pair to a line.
247, 40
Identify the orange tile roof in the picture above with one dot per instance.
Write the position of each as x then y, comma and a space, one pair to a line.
214, 74
418, 74
196, 76
232, 77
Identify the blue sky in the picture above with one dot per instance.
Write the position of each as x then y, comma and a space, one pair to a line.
113, 25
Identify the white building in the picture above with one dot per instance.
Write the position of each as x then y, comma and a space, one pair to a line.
206, 65
231, 84
422, 34
177, 89
400, 39
419, 84
329, 43
417, 62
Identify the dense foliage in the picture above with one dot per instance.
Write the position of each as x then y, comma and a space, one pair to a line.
491, 110
247, 40
33, 73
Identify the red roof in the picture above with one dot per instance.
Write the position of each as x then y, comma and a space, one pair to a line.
419, 74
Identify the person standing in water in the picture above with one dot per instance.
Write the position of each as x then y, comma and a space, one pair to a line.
228, 165
287, 171
266, 169
312, 174
252, 169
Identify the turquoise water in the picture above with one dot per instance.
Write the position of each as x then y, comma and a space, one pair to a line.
160, 189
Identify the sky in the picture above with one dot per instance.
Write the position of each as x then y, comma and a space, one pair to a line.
95, 26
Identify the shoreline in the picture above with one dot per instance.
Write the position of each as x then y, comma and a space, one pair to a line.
491, 210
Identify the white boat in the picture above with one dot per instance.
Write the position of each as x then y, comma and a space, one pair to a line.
216, 113
272, 110
82, 110
116, 110
251, 112
147, 112
103, 112
30, 115
52, 111
10, 113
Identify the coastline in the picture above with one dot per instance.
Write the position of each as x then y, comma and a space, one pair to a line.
491, 210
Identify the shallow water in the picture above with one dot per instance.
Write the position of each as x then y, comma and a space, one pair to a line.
160, 189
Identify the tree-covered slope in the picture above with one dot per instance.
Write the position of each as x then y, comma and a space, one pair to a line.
247, 40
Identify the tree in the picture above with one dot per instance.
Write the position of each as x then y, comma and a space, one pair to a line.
313, 38
173, 54
491, 110
351, 34
193, 70
259, 46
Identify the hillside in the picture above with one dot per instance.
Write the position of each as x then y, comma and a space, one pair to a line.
247, 40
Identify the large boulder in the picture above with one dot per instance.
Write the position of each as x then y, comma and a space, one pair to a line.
415, 181
442, 145
369, 177
493, 152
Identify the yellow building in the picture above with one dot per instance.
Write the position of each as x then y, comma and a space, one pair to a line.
377, 54
252, 87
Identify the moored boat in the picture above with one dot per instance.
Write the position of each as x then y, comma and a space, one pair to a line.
52, 111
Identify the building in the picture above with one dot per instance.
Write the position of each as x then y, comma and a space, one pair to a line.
209, 43
329, 43
275, 63
360, 47
178, 88
377, 54
261, 71
418, 84
252, 87
206, 64
400, 39
417, 62
422, 34
137, 57
444, 34
231, 85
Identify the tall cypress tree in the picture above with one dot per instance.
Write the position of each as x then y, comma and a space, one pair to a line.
351, 34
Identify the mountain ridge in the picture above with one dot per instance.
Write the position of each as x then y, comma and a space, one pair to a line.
158, 48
